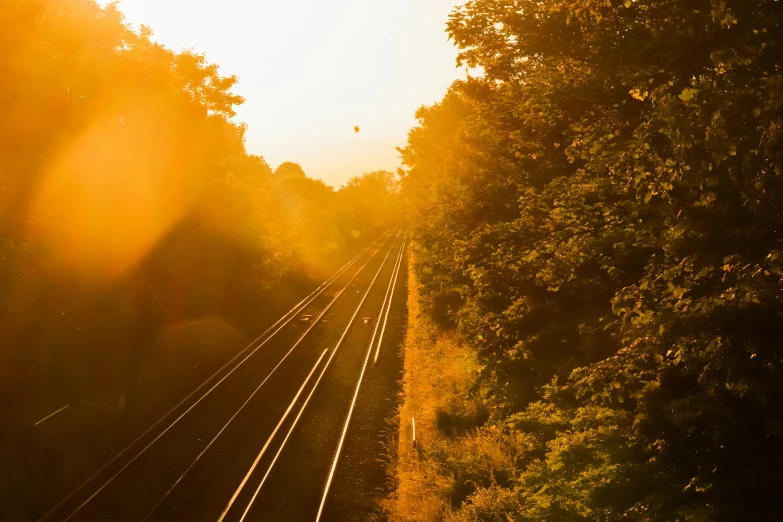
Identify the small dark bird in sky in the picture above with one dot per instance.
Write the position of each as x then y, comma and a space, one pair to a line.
356, 129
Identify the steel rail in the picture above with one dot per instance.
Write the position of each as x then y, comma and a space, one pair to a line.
302, 408
51, 415
269, 375
307, 400
388, 297
386, 318
285, 319
393, 280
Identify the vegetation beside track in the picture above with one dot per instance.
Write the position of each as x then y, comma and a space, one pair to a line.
598, 215
440, 371
130, 211
140, 243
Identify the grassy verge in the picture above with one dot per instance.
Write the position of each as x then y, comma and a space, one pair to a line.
440, 374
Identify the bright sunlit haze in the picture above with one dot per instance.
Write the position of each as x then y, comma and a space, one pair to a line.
310, 71
402, 260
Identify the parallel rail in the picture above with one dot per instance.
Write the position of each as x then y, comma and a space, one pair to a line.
181, 438
293, 425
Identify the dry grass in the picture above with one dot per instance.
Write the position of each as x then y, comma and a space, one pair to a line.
439, 373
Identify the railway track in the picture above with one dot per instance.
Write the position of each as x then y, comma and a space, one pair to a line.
247, 428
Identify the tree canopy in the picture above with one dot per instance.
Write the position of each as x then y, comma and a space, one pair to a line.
128, 203
599, 214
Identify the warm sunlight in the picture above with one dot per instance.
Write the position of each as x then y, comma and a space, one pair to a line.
403, 261
125, 176
312, 70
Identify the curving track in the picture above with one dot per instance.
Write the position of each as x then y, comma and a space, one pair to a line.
263, 438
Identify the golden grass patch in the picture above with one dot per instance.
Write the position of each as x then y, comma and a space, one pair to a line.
439, 373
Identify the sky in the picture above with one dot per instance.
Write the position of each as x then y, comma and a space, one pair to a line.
311, 70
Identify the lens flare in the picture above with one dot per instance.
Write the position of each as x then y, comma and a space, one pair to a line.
114, 191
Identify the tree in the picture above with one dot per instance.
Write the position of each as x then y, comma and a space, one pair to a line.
369, 203
128, 204
600, 208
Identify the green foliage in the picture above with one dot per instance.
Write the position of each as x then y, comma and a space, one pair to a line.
365, 203
155, 125
602, 208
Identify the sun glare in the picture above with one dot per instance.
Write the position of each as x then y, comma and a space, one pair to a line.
310, 70
114, 190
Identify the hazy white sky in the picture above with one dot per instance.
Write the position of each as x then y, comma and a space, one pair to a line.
312, 69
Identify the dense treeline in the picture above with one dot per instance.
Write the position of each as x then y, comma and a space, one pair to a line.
599, 213
129, 206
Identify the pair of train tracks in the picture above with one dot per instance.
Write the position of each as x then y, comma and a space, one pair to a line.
274, 418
